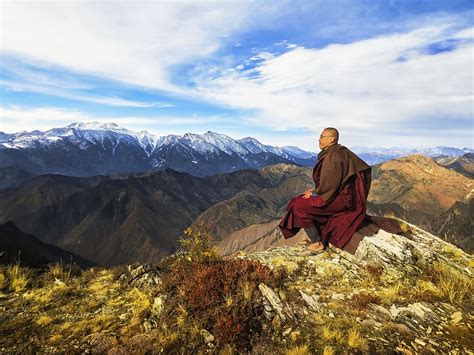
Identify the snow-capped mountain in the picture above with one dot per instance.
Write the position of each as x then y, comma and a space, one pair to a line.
4, 137
375, 155
84, 149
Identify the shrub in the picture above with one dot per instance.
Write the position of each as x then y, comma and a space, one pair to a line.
197, 246
220, 296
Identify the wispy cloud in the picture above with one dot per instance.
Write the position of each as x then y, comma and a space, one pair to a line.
135, 43
17, 119
377, 84
68, 94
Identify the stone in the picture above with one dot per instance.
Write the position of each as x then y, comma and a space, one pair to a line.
207, 336
402, 328
419, 341
311, 301
158, 305
382, 311
456, 317
273, 299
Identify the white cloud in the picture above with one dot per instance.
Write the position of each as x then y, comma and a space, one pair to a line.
104, 100
134, 42
380, 85
16, 119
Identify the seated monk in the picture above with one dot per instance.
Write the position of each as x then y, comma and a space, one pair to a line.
336, 207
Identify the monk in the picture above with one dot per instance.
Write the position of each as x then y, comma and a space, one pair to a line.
336, 207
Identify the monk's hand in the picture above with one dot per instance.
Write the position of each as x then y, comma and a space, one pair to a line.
307, 194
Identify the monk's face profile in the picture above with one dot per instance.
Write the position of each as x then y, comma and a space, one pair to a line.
326, 139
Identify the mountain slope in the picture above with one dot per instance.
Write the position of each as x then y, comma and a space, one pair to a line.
463, 164
121, 220
420, 191
16, 246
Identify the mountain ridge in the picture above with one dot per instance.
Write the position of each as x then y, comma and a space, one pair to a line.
86, 149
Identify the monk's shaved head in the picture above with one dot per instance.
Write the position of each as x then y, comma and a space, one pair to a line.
330, 131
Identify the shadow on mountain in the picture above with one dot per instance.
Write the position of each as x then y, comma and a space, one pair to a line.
17, 246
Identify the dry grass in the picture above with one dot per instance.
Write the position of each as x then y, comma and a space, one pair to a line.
56, 292
299, 350
2, 279
453, 252
44, 320
329, 350
452, 285
18, 277
355, 340
330, 334
362, 299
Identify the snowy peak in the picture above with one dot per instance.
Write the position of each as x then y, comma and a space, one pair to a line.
95, 126
206, 153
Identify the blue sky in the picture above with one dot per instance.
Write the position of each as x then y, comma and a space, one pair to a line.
385, 73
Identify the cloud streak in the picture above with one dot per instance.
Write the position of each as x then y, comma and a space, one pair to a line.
384, 82
16, 119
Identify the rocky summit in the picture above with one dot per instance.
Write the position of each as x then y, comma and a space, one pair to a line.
399, 293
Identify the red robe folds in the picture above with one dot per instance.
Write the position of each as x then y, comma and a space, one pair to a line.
344, 181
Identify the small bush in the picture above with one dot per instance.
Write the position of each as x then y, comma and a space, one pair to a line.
219, 296
198, 247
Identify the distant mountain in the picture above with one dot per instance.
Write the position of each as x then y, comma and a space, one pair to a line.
16, 246
11, 176
4, 137
87, 149
376, 155
463, 164
427, 194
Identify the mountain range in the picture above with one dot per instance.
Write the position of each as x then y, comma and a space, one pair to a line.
120, 219
88, 149
376, 155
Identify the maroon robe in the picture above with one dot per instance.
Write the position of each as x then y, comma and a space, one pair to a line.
345, 186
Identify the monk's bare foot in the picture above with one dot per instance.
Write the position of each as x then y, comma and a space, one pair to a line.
316, 246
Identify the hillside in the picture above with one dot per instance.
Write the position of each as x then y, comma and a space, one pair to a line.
410, 293
16, 246
113, 221
421, 191
463, 164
